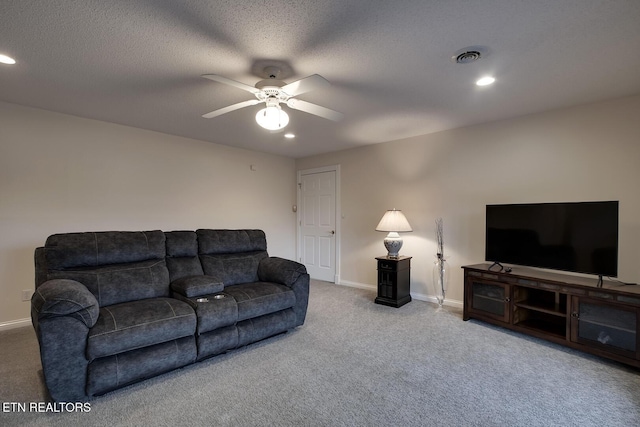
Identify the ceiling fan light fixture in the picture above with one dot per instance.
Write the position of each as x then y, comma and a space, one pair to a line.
272, 118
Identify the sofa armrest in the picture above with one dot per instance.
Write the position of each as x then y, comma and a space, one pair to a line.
62, 297
62, 312
291, 274
197, 286
280, 270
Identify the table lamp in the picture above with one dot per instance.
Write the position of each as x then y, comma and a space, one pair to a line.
394, 222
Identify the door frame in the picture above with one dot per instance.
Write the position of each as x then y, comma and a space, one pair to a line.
338, 213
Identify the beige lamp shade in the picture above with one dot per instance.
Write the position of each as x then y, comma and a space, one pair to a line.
394, 222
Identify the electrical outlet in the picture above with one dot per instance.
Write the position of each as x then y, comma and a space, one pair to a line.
26, 294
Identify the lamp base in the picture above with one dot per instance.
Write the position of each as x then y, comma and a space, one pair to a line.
393, 243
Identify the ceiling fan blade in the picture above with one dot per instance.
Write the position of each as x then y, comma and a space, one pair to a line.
314, 109
239, 85
307, 84
231, 108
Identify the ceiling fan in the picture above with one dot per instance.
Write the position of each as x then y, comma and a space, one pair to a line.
272, 92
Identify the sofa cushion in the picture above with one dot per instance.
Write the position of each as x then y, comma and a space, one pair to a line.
92, 249
230, 241
260, 298
180, 267
182, 254
233, 268
195, 286
117, 283
181, 243
137, 324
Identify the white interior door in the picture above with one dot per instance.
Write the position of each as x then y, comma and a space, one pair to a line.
317, 223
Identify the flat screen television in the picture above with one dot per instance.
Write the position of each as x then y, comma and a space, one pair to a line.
580, 237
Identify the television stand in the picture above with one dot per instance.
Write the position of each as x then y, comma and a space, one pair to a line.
602, 318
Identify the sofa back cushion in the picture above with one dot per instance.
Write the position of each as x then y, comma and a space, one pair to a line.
71, 250
211, 242
232, 269
182, 254
116, 266
232, 256
117, 283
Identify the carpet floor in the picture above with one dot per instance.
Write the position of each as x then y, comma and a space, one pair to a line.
355, 363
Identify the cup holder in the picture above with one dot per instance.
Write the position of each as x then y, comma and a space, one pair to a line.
216, 296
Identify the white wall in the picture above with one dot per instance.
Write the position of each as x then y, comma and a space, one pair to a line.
590, 152
60, 173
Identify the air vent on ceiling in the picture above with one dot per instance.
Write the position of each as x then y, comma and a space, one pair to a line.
468, 56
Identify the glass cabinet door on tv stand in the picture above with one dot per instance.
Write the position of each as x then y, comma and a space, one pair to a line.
485, 298
608, 327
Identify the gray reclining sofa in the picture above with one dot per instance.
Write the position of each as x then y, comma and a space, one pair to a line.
113, 308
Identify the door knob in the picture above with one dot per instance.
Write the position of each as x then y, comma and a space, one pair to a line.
332, 232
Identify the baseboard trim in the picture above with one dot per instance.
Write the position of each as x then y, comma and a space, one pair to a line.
428, 298
13, 324
357, 285
417, 296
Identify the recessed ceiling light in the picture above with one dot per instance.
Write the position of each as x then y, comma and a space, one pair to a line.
485, 81
289, 135
7, 60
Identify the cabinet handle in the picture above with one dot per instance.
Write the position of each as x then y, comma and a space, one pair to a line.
507, 299
575, 314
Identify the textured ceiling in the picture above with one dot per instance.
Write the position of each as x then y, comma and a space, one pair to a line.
138, 63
